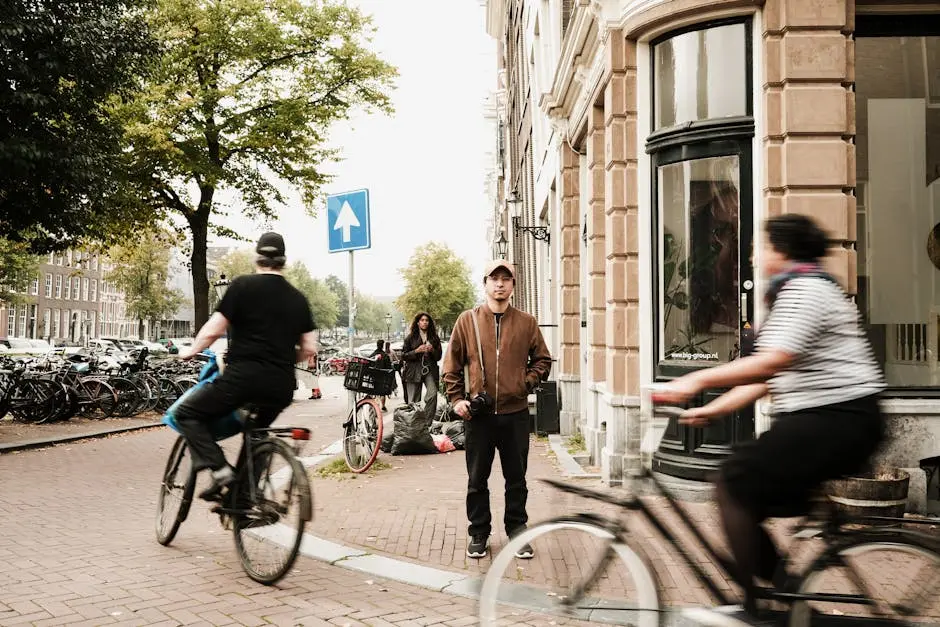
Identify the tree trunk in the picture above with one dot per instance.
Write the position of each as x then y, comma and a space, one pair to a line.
200, 231
140, 329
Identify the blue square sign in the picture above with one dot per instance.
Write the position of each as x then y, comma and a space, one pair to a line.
348, 221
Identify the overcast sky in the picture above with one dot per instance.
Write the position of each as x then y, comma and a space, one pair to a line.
424, 165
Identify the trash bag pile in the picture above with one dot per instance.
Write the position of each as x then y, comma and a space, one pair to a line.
417, 433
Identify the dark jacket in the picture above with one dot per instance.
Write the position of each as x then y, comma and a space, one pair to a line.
513, 369
412, 361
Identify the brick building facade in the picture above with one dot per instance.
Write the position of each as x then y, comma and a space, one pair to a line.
649, 139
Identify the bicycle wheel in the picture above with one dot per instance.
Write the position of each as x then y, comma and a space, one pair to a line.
128, 396
580, 574
33, 400
275, 504
362, 435
100, 399
898, 572
176, 492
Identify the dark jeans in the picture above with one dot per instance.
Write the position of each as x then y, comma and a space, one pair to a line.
233, 389
508, 434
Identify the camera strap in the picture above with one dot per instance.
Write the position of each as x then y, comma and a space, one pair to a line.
466, 369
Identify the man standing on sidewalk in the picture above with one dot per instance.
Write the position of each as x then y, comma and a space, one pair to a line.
496, 357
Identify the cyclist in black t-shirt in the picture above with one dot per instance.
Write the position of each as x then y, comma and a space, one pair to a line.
266, 319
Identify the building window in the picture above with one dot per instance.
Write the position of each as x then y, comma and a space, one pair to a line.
68, 288
700, 152
59, 259
94, 263
701, 75
34, 287
56, 323
47, 290
85, 289
94, 290
897, 170
76, 288
66, 330
23, 312
46, 322
11, 320
58, 286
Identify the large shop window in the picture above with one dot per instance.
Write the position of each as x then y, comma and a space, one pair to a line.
898, 194
700, 151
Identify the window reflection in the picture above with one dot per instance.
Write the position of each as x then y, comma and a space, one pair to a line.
699, 310
700, 75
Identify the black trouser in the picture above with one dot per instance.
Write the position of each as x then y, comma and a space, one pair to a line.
236, 387
508, 434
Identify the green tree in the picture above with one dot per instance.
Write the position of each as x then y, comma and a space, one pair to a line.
244, 96
60, 165
438, 282
340, 290
236, 263
323, 302
141, 270
18, 266
370, 315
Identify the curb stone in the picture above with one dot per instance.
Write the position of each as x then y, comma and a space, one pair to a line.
62, 439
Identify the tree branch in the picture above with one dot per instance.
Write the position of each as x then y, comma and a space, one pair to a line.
276, 60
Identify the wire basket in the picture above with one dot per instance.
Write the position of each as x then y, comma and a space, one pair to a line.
364, 377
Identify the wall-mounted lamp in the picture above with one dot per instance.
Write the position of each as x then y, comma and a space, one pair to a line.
502, 245
538, 232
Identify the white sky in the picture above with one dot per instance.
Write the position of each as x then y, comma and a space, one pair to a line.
424, 165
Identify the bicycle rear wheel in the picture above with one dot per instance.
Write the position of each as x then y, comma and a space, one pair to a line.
580, 574
899, 572
176, 492
362, 435
275, 503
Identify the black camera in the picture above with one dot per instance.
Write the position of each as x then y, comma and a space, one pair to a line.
481, 403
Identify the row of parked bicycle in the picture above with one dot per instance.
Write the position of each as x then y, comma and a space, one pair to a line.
57, 387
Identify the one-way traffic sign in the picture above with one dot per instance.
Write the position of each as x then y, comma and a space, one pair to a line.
348, 221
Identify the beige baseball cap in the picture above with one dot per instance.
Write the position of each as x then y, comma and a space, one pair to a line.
494, 265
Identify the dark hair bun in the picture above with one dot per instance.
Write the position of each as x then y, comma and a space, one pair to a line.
797, 237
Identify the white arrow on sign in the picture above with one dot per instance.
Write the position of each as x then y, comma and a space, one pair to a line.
346, 220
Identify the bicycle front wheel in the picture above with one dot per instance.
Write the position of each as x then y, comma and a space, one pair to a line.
176, 492
274, 503
881, 578
580, 574
362, 435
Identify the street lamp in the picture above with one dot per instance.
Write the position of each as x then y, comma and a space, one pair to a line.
221, 285
502, 245
388, 326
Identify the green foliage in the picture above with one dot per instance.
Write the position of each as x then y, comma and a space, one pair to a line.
323, 302
237, 263
340, 290
370, 315
18, 266
438, 282
60, 166
141, 270
243, 96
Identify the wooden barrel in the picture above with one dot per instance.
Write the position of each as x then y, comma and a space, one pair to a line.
881, 493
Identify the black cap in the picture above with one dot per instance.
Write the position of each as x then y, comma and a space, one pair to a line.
270, 245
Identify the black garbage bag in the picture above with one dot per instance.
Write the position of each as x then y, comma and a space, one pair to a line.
412, 435
387, 440
456, 430
437, 427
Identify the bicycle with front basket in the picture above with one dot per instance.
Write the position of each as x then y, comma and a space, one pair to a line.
604, 574
268, 506
363, 429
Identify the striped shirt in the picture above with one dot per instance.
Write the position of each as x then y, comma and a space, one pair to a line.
813, 320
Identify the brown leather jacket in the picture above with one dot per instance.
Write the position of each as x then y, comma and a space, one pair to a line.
513, 368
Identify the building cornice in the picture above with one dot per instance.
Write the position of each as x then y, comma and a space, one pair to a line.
495, 18
580, 29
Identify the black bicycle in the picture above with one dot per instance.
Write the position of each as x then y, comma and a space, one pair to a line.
267, 508
593, 568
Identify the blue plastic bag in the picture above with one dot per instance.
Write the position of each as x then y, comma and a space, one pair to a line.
224, 427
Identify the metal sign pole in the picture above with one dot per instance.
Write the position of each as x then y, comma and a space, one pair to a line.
351, 307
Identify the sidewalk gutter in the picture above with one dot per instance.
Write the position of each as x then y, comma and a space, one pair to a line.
569, 465
62, 439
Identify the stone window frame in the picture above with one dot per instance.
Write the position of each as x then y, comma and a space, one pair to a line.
701, 139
